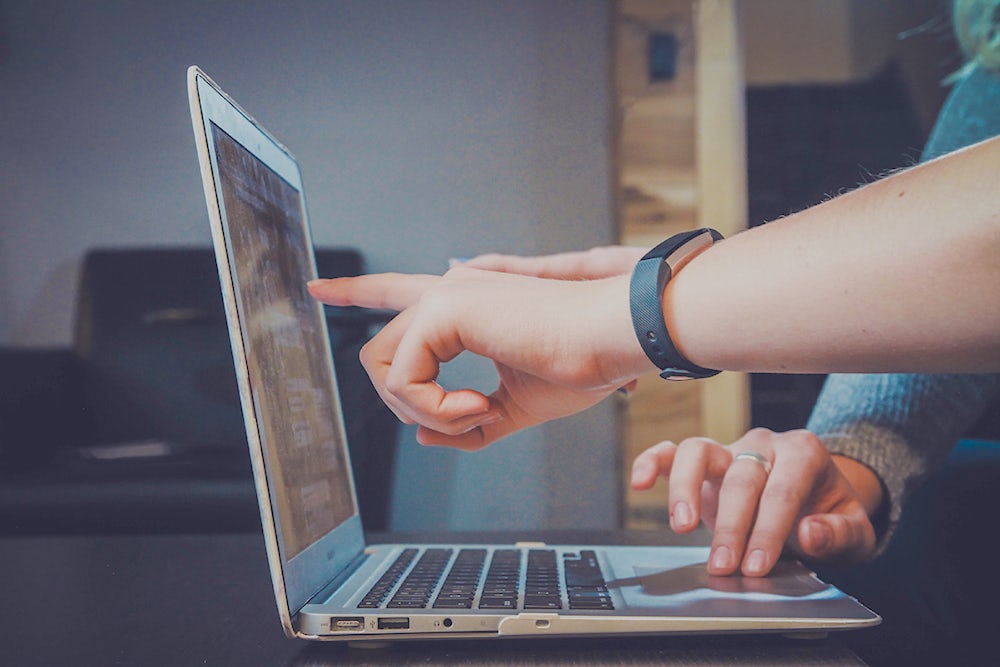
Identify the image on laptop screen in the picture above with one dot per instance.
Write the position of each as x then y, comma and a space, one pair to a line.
294, 399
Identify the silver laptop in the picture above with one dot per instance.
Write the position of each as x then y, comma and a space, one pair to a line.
330, 584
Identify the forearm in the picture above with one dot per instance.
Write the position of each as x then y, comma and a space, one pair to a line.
896, 275
900, 275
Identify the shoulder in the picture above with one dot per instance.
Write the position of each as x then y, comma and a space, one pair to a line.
970, 114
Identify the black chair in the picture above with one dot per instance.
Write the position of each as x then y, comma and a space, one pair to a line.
138, 427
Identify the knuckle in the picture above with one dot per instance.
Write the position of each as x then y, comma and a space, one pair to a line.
761, 440
660, 449
394, 385
696, 446
805, 453
808, 443
781, 493
756, 438
366, 351
437, 297
759, 432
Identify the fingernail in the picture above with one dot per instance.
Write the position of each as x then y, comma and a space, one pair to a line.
756, 561
819, 535
491, 418
722, 558
682, 514
314, 281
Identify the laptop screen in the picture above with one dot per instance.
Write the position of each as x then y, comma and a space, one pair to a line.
294, 397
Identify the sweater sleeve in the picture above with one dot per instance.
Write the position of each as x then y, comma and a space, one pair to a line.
900, 425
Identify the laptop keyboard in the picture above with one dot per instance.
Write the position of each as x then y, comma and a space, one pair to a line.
581, 585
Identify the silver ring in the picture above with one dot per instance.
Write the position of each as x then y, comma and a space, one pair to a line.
759, 459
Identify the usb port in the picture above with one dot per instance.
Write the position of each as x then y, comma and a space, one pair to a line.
394, 623
347, 623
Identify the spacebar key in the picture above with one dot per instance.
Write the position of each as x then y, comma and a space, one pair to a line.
542, 602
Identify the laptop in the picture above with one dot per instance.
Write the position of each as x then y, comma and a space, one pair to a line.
328, 583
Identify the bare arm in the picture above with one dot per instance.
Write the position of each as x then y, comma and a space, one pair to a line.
900, 275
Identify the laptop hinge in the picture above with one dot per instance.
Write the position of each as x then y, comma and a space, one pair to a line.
327, 591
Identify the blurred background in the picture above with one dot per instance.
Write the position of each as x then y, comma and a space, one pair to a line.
426, 130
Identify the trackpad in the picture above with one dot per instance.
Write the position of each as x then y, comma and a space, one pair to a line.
786, 579
691, 589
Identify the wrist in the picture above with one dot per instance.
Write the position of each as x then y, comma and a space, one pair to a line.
617, 351
649, 301
863, 480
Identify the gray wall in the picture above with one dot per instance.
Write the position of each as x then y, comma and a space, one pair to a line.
425, 129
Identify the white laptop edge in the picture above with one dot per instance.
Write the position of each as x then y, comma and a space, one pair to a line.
297, 580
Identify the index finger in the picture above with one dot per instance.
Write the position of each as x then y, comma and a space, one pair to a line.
389, 291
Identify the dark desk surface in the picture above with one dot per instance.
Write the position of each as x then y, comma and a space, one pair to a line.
207, 600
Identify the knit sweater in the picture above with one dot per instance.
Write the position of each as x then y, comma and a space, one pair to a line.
902, 426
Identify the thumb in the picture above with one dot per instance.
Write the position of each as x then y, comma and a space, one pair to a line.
837, 537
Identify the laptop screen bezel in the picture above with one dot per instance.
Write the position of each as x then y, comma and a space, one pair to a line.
297, 578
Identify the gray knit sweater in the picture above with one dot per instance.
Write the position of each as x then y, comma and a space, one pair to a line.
903, 426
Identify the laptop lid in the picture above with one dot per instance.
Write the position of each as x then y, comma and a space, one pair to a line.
284, 366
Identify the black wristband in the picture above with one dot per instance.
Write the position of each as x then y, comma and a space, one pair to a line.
649, 278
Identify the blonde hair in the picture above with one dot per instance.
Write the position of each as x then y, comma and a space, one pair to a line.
977, 26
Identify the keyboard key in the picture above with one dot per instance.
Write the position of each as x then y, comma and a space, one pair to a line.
498, 602
580, 586
376, 596
459, 587
503, 578
416, 589
464, 603
591, 605
542, 601
585, 585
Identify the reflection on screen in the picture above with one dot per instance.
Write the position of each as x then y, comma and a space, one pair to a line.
293, 390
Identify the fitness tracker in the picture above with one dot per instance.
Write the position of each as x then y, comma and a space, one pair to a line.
649, 278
